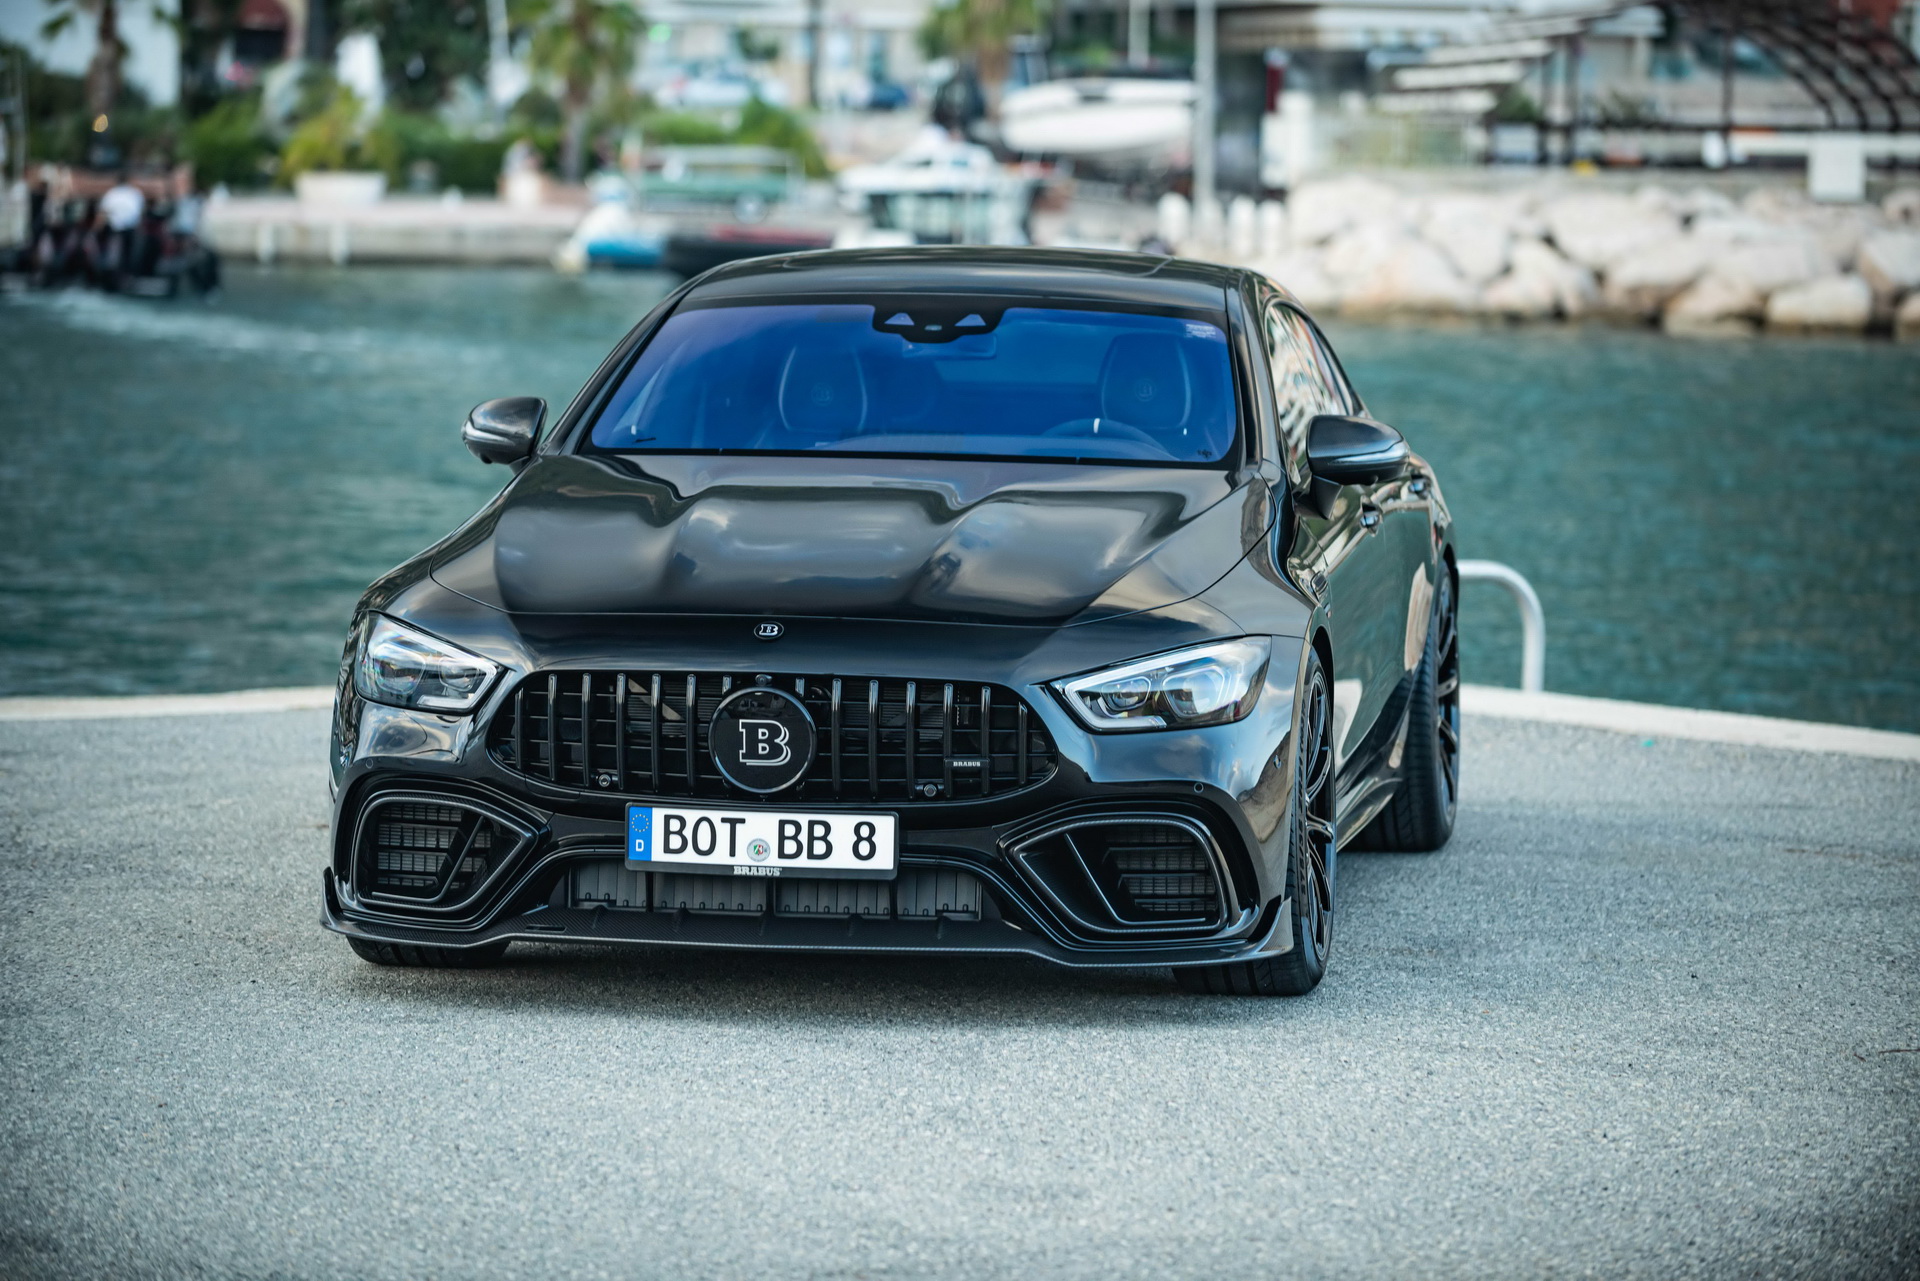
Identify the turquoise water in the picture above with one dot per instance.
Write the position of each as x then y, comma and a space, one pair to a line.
192, 494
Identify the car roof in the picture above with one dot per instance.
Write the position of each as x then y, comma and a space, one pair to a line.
1093, 274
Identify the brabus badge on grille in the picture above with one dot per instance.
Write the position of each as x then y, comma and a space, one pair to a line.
768, 631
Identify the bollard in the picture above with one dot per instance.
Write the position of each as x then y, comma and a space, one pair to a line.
338, 246
1242, 227
1533, 620
1273, 228
1173, 219
265, 242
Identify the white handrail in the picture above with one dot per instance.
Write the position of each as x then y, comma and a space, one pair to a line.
1533, 620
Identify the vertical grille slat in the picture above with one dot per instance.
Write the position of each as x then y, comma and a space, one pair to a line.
834, 733
654, 746
620, 730
646, 734
553, 728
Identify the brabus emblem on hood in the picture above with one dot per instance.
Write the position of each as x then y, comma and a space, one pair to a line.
768, 631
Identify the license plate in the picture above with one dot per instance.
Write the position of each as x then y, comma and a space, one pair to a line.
762, 842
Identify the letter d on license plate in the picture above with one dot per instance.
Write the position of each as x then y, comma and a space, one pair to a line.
762, 843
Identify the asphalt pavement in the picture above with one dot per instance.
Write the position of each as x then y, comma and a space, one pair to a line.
1652, 1013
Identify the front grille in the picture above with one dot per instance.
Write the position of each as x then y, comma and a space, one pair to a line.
917, 894
879, 740
427, 852
1122, 875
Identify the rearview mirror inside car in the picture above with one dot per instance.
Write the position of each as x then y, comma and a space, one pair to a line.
504, 431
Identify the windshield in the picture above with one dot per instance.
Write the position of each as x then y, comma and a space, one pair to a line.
928, 376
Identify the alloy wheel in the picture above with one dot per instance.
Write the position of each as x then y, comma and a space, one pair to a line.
1313, 833
1446, 688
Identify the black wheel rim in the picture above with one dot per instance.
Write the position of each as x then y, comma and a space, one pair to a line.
1446, 689
1313, 834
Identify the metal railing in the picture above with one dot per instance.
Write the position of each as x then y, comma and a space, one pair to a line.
1533, 621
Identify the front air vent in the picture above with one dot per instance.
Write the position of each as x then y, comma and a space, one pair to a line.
880, 740
1113, 876
917, 894
429, 850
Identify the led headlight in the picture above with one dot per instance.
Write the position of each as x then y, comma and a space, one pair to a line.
1206, 685
407, 668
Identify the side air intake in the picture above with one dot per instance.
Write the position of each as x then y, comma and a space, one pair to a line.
1136, 874
429, 850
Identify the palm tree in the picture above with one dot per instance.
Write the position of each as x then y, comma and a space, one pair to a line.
587, 45
982, 32
103, 71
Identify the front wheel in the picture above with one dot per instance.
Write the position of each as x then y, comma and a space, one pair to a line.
1311, 849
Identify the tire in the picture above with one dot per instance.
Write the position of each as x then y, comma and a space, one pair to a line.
1419, 818
1311, 850
446, 958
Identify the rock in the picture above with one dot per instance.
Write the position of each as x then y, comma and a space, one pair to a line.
1792, 257
1300, 273
1835, 304
1890, 261
1646, 280
1906, 321
1597, 229
1714, 306
1475, 233
1540, 283
1902, 205
1732, 228
1322, 210
1353, 254
1410, 276
1699, 202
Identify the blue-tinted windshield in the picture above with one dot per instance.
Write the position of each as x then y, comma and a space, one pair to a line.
1024, 382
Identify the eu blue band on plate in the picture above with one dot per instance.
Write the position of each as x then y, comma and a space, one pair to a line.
639, 834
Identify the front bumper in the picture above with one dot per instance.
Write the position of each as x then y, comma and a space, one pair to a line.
1226, 784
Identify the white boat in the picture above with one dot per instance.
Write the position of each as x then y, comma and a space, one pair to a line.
1117, 119
939, 191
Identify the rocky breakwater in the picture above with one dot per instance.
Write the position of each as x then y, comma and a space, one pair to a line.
1693, 262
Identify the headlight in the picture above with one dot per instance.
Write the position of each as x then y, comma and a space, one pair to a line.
1205, 685
407, 668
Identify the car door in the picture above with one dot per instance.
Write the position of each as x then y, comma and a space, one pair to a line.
1337, 549
1404, 537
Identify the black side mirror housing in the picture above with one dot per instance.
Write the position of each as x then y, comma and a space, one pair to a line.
504, 431
1354, 451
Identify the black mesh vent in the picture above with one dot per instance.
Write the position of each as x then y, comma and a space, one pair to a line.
879, 740
1160, 871
1122, 876
428, 852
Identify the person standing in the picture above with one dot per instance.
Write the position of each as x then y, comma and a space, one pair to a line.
122, 208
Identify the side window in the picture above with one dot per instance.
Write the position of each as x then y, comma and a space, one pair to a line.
1300, 387
1336, 377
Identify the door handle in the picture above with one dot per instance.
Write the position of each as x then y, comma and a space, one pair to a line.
1369, 516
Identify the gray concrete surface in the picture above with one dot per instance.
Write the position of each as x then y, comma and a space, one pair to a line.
1652, 1013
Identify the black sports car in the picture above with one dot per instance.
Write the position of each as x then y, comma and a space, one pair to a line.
944, 600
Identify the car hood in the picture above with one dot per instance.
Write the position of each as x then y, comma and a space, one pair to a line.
972, 541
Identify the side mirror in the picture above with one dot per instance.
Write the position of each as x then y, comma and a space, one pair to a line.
504, 431
1354, 451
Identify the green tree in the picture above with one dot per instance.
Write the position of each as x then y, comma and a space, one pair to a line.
425, 45
109, 51
981, 32
587, 47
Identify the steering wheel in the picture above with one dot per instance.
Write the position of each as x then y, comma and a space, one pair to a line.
1103, 427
